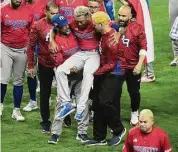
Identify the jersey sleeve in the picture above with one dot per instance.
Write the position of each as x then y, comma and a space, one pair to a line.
166, 146
139, 32
128, 144
31, 47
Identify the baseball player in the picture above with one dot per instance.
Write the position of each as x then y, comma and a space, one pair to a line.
109, 79
40, 32
147, 137
134, 44
68, 46
38, 9
88, 41
15, 27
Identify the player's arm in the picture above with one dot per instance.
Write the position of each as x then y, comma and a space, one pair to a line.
166, 146
142, 42
53, 47
31, 47
111, 61
114, 39
128, 144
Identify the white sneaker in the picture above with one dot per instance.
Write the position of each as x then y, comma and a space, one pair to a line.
134, 118
38, 88
174, 62
32, 105
16, 115
1, 108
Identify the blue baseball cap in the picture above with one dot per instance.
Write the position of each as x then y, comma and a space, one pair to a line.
59, 20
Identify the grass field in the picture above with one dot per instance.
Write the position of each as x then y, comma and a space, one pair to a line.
161, 97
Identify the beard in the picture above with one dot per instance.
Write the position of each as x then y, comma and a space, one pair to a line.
123, 23
15, 4
64, 33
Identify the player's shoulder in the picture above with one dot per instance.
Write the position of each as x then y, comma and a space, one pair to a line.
134, 130
5, 8
159, 131
133, 25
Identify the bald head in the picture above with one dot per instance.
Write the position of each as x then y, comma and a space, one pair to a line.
125, 9
147, 113
146, 120
125, 15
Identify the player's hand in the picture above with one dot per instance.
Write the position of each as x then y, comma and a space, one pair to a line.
122, 31
53, 47
137, 69
31, 72
114, 39
73, 70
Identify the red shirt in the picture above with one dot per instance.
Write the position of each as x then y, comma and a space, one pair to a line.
67, 7
132, 42
38, 8
40, 32
88, 39
155, 141
15, 25
67, 47
109, 54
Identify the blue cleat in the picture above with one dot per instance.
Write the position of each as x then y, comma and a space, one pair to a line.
65, 110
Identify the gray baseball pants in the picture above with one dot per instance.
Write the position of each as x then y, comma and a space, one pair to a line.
173, 13
15, 61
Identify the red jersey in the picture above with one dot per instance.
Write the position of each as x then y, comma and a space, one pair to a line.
15, 25
40, 32
109, 54
67, 46
155, 141
88, 39
67, 7
132, 42
38, 8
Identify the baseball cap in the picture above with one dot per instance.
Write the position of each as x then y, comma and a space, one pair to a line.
59, 20
100, 17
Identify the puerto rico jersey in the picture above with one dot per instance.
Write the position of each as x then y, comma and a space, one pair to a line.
15, 26
40, 32
155, 141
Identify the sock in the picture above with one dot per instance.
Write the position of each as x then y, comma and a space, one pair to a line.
32, 84
17, 93
3, 91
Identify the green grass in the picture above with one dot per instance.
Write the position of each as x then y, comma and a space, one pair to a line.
161, 97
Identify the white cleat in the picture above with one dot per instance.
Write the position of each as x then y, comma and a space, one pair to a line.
32, 105
134, 118
16, 115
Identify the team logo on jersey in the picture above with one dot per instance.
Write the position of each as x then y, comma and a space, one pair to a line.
6, 15
125, 41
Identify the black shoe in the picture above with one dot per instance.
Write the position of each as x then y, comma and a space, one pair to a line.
117, 139
53, 139
45, 127
82, 137
67, 121
96, 143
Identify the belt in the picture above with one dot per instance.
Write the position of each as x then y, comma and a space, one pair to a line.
92, 50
